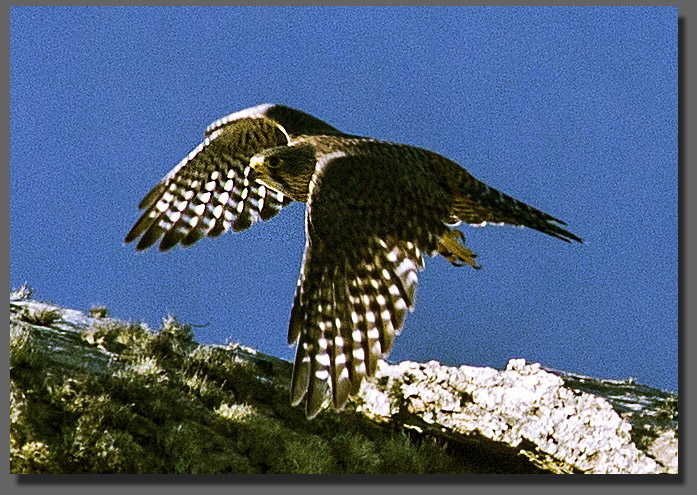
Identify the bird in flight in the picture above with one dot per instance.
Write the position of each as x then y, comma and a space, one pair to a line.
373, 207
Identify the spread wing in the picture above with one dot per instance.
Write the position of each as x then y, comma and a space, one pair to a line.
348, 307
295, 122
359, 272
213, 189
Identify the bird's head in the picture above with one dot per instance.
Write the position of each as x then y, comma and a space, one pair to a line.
287, 169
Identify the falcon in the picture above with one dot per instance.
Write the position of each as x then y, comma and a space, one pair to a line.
373, 209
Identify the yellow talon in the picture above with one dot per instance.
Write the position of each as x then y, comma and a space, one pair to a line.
452, 248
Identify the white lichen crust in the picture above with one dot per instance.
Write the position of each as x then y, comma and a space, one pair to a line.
523, 406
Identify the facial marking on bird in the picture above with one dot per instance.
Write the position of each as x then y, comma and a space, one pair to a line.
287, 169
373, 208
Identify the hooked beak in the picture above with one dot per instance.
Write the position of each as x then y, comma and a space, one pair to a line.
257, 164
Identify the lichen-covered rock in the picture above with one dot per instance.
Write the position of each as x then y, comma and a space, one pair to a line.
664, 449
523, 406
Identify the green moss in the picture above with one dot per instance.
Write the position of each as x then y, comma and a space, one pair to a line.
32, 457
166, 404
400, 454
99, 311
22, 346
41, 317
356, 453
24, 292
172, 342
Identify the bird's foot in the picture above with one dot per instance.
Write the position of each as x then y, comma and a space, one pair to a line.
452, 248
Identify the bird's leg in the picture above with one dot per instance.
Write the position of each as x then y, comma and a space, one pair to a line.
452, 248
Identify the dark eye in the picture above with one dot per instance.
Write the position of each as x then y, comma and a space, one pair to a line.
273, 161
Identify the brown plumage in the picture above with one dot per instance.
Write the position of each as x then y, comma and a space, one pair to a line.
372, 208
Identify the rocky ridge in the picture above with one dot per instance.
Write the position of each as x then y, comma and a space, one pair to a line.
524, 418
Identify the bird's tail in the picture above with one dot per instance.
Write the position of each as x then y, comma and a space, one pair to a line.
476, 203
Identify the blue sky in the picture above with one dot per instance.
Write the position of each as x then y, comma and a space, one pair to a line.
572, 110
